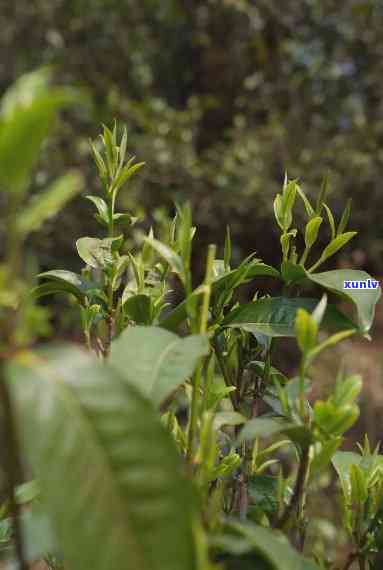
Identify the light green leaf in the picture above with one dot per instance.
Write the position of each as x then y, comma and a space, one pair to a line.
363, 299
342, 461
345, 218
331, 221
311, 232
118, 504
155, 360
306, 331
336, 244
169, 255
102, 208
96, 253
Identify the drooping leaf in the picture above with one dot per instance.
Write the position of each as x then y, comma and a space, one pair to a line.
363, 299
155, 360
118, 504
276, 316
62, 281
48, 203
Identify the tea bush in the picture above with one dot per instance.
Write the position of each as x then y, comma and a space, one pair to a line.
170, 440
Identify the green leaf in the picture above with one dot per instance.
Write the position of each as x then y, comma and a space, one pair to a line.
336, 244
126, 173
358, 481
102, 208
342, 461
278, 210
27, 116
62, 281
155, 360
169, 255
309, 209
306, 331
118, 505
291, 272
263, 492
96, 253
139, 309
312, 230
275, 316
323, 456
331, 221
48, 203
363, 299
345, 218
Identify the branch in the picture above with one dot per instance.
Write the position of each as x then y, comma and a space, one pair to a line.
298, 490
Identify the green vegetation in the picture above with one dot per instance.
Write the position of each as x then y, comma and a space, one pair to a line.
170, 440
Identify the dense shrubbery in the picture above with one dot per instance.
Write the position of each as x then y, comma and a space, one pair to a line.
170, 440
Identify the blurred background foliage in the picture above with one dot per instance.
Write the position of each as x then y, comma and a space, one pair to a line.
220, 98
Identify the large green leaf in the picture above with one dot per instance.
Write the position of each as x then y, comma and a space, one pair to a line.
155, 360
275, 316
27, 113
49, 202
231, 279
109, 473
363, 299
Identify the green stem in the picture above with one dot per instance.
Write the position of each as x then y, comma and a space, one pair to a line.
298, 490
225, 372
316, 265
198, 373
302, 370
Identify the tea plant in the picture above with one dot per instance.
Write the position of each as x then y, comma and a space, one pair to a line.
179, 444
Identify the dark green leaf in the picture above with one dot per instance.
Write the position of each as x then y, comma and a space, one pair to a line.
276, 316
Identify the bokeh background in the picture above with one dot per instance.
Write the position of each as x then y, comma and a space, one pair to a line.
220, 98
